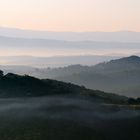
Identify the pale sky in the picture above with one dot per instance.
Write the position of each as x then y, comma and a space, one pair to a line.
71, 15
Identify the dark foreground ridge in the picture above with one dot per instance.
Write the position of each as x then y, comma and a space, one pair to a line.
13, 85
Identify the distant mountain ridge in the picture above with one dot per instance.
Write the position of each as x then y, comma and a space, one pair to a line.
53, 47
120, 36
116, 65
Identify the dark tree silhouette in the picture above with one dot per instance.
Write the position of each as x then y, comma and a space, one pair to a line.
1, 73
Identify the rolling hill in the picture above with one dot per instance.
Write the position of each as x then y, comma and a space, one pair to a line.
12, 85
118, 76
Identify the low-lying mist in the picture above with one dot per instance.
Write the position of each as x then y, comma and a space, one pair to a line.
64, 117
63, 107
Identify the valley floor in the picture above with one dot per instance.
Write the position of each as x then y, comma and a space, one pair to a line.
66, 118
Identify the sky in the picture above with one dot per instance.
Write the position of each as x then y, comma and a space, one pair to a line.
71, 15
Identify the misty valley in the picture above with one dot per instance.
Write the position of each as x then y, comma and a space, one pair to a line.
45, 109
60, 118
69, 85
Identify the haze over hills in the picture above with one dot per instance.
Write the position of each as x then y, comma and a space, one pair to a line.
120, 36
69, 70
12, 46
46, 44
117, 76
48, 50
53, 62
82, 106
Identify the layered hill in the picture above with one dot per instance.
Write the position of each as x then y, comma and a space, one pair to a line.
117, 76
120, 36
52, 47
121, 76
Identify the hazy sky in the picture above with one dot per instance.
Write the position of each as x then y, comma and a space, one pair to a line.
71, 15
